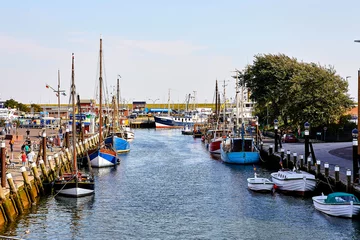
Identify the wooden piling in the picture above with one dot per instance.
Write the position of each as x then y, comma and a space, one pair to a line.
337, 174
348, 180
318, 168
43, 170
309, 163
287, 158
3, 164
28, 187
37, 178
326, 167
44, 146
14, 193
5, 205
270, 149
301, 161
295, 159
52, 170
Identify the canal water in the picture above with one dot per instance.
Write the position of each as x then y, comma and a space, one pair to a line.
169, 187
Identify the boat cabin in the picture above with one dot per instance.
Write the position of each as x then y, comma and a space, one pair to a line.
341, 198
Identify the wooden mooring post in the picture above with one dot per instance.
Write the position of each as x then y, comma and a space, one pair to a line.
326, 166
348, 180
318, 168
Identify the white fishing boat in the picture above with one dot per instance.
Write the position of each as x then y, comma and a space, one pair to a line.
295, 181
260, 184
338, 204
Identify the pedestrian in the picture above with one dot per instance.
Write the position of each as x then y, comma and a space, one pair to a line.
27, 148
23, 158
30, 157
27, 132
11, 143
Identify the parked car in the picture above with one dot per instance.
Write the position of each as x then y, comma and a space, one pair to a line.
289, 138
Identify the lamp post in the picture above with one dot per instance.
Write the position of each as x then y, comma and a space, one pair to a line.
58, 92
307, 132
154, 101
358, 118
276, 124
355, 135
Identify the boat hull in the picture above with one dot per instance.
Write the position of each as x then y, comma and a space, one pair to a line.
73, 189
298, 183
103, 158
240, 157
347, 210
174, 122
119, 144
214, 146
260, 184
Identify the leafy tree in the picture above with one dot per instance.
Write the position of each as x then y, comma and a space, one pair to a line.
36, 107
11, 103
296, 92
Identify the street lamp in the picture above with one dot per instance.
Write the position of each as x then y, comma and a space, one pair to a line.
307, 126
58, 92
154, 101
355, 134
276, 124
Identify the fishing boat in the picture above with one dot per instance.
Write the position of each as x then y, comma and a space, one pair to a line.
260, 184
116, 137
74, 183
104, 155
294, 181
338, 204
187, 130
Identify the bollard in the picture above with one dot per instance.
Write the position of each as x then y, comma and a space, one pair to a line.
3, 164
282, 155
318, 167
44, 146
287, 158
309, 164
270, 149
295, 159
307, 133
43, 170
28, 187
326, 166
301, 161
348, 178
14, 193
52, 170
5, 205
337, 174
37, 178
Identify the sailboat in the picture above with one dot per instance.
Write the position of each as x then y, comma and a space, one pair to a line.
116, 137
74, 184
239, 149
104, 155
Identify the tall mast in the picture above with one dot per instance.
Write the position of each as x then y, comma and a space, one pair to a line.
58, 95
224, 113
118, 92
237, 101
100, 97
73, 126
216, 100
169, 103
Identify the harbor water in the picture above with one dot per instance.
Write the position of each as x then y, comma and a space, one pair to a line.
169, 187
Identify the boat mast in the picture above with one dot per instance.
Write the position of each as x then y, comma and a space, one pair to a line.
224, 112
100, 97
118, 92
73, 126
237, 103
216, 100
169, 103
58, 95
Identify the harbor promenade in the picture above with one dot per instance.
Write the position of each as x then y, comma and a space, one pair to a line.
333, 153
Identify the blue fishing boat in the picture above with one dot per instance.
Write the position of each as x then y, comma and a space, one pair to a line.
239, 150
119, 144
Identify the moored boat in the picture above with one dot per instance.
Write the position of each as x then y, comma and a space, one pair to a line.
298, 182
338, 204
74, 183
236, 150
260, 184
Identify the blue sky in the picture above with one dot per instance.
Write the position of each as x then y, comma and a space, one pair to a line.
159, 45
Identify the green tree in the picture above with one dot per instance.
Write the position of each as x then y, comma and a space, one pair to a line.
296, 92
11, 103
36, 107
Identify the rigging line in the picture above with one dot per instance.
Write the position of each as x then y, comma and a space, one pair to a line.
64, 185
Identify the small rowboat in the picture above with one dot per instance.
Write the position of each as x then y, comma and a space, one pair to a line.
260, 184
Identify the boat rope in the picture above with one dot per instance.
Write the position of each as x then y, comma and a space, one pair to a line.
327, 182
64, 185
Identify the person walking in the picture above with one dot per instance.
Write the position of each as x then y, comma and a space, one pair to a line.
30, 157
23, 158
11, 143
27, 132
